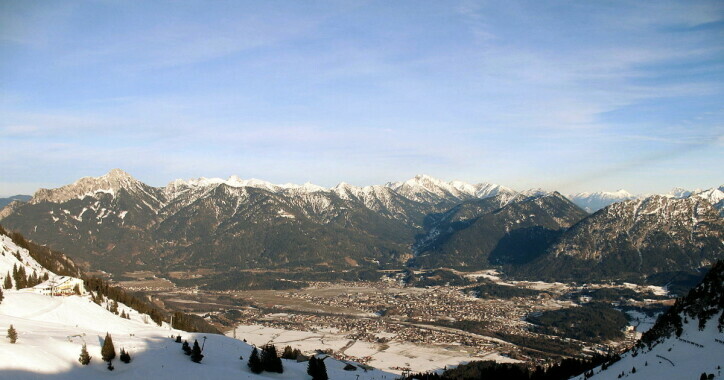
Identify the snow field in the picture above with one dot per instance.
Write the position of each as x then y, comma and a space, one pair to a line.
674, 358
389, 356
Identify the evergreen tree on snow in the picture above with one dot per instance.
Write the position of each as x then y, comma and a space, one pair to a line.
254, 362
8, 282
12, 334
317, 369
108, 352
1, 295
312, 366
125, 356
321, 371
196, 355
21, 281
186, 348
84, 357
178, 339
288, 353
270, 360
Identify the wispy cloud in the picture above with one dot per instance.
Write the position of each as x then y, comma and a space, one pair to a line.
513, 92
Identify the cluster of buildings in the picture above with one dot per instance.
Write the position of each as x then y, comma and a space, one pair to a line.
60, 286
388, 311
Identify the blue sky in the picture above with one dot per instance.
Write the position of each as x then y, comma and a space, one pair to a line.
565, 95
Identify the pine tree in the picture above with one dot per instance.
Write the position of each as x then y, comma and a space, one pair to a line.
8, 282
12, 334
33, 279
317, 369
288, 353
1, 295
254, 362
84, 357
196, 355
321, 371
114, 307
108, 352
186, 348
178, 339
312, 366
125, 356
270, 360
21, 281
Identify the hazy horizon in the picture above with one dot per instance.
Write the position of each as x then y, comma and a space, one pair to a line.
162, 184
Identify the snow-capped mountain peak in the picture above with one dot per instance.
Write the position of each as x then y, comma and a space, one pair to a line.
425, 188
679, 192
595, 201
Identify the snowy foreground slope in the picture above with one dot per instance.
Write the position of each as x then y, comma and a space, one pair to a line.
684, 343
51, 331
12, 255
674, 358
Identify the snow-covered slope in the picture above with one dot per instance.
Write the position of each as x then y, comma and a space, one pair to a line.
715, 196
51, 332
12, 255
686, 357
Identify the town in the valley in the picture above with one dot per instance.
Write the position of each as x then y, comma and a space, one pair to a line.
389, 324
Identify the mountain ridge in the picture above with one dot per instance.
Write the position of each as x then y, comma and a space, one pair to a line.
118, 223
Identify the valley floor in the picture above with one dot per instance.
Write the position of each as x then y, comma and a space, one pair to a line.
393, 356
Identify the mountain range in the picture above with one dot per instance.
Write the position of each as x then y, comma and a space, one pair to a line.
117, 223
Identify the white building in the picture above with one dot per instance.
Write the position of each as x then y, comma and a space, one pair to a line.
60, 286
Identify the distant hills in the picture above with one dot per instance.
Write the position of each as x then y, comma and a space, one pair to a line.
592, 202
117, 223
6, 201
